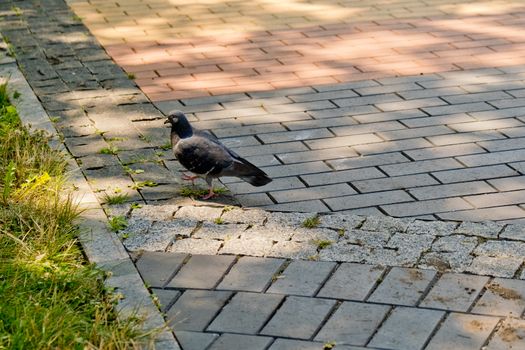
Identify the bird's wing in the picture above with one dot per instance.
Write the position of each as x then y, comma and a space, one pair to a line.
202, 155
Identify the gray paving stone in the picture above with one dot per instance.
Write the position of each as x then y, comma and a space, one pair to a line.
392, 146
341, 141
454, 292
196, 246
302, 278
353, 323
362, 277
391, 115
341, 221
300, 206
502, 297
156, 268
493, 158
342, 176
295, 135
290, 344
463, 332
496, 199
415, 132
511, 249
355, 129
195, 340
368, 161
202, 271
298, 317
198, 213
246, 313
510, 335
371, 199
317, 192
388, 224
508, 183
240, 216
365, 238
293, 250
486, 229
165, 297
394, 183
451, 190
426, 207
406, 328
454, 139
421, 166
403, 286
445, 151
314, 235
514, 232
435, 228
269, 232
255, 246
495, 266
195, 309
251, 274
229, 341
211, 230
323, 154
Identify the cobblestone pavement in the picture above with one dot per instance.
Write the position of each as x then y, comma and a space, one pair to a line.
442, 145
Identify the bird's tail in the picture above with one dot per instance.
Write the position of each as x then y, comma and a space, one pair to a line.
251, 174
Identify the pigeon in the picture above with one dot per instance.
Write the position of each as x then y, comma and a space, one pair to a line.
203, 154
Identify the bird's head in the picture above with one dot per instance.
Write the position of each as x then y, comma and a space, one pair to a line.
179, 124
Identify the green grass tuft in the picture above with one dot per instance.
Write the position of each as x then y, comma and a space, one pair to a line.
322, 243
117, 223
143, 184
116, 199
109, 150
218, 221
312, 222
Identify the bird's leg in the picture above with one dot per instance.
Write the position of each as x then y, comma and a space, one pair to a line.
189, 178
210, 194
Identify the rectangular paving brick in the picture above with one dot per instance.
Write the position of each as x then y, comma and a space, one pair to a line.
508, 183
486, 125
422, 166
510, 335
317, 192
202, 271
392, 146
296, 169
454, 292
451, 190
493, 158
367, 128
271, 149
452, 139
343, 141
445, 151
402, 286
285, 183
406, 328
476, 97
478, 173
496, 199
392, 115
437, 92
394, 183
156, 268
298, 317
322, 154
367, 161
292, 344
496, 213
246, 313
251, 274
195, 309
411, 104
368, 200
439, 120
195, 340
359, 101
295, 135
229, 341
353, 323
362, 277
415, 132
505, 144
302, 278
463, 332
425, 207
342, 176
502, 297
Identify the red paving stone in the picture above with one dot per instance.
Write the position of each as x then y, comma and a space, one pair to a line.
181, 50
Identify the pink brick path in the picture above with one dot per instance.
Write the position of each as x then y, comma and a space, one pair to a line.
178, 49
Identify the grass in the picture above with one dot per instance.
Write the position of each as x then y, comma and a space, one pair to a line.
142, 184
188, 191
312, 222
109, 150
116, 198
117, 223
322, 243
51, 297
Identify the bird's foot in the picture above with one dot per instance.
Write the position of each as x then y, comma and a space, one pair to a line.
189, 178
210, 194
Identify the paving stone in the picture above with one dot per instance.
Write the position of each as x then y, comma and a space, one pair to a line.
290, 344
406, 328
502, 297
363, 277
271, 233
157, 238
454, 292
341, 221
229, 341
156, 268
202, 271
293, 250
417, 208
292, 220
514, 232
251, 274
511, 249
314, 235
353, 323
451, 190
255, 246
377, 223
317, 192
495, 266
240, 216
195, 340
198, 213
444, 151
165, 297
298, 317
510, 335
212, 230
196, 246
365, 238
394, 183
435, 228
302, 278
369, 199
367, 161
246, 313
461, 331
403, 286
195, 309
341, 176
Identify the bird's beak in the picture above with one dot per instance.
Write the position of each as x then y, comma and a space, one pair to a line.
167, 121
